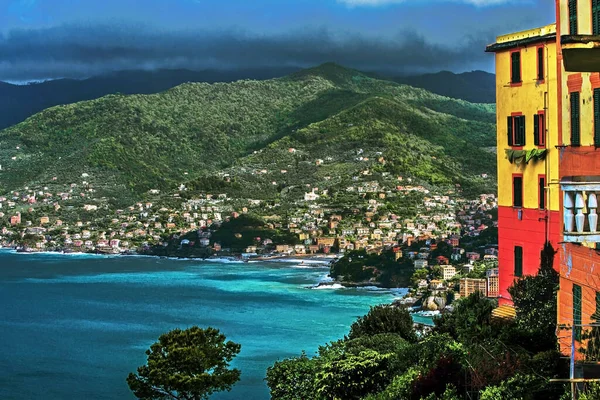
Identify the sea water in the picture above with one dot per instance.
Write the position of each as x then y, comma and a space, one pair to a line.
74, 326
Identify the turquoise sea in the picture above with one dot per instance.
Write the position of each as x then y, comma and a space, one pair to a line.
74, 326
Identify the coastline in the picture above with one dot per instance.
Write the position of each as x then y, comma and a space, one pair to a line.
309, 260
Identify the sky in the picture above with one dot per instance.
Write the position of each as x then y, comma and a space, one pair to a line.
46, 39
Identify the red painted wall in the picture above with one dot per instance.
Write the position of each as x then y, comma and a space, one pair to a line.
529, 233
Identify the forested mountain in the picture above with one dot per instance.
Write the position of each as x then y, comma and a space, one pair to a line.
324, 124
18, 102
475, 86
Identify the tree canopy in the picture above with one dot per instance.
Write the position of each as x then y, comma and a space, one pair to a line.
188, 364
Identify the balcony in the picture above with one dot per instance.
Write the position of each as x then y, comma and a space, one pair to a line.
580, 203
581, 53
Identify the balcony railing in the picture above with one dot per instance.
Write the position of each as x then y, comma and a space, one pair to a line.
580, 203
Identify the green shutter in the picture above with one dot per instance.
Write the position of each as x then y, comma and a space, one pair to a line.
596, 17
516, 67
596, 315
518, 261
575, 126
597, 116
573, 17
509, 125
518, 192
542, 138
536, 129
521, 131
577, 311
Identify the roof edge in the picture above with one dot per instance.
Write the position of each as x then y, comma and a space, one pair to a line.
492, 48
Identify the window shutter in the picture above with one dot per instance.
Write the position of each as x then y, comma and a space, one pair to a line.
536, 129
542, 132
577, 311
518, 192
573, 17
521, 130
510, 131
596, 17
540, 64
542, 190
575, 128
516, 67
518, 261
596, 314
597, 116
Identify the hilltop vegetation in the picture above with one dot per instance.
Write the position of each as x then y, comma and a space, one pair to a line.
186, 135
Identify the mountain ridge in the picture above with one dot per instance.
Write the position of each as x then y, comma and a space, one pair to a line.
22, 101
129, 144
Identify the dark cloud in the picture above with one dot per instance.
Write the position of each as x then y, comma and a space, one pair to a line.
81, 51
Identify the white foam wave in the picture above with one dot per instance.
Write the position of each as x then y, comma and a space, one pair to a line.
334, 286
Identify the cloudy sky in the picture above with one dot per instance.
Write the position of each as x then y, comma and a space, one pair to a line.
41, 39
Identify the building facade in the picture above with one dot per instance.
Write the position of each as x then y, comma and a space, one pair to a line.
527, 135
578, 66
468, 286
565, 91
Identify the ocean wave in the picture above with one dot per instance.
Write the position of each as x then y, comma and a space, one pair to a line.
323, 263
61, 254
333, 286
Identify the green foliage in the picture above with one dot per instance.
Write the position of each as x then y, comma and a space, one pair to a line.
293, 378
470, 321
535, 301
517, 387
360, 266
186, 364
384, 343
384, 319
241, 232
591, 392
353, 376
400, 388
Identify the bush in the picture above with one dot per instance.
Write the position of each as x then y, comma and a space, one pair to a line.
385, 319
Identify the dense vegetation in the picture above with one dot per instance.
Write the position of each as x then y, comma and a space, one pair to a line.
130, 144
468, 354
186, 364
359, 267
18, 102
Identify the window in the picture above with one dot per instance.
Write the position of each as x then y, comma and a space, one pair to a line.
515, 67
575, 128
542, 192
596, 314
597, 116
577, 311
540, 63
517, 191
516, 130
595, 17
518, 261
539, 129
573, 17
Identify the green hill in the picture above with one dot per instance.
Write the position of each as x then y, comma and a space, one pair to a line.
130, 144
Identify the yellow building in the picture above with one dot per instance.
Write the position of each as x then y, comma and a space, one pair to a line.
527, 121
468, 286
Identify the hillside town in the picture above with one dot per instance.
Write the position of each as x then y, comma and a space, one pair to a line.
74, 220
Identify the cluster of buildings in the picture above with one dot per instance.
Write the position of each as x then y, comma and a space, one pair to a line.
548, 118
